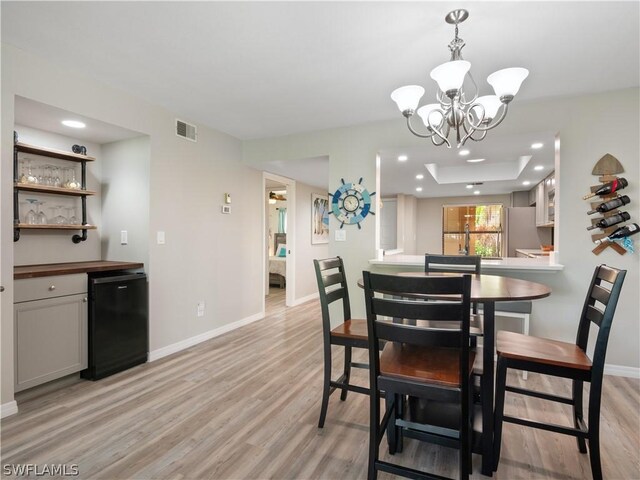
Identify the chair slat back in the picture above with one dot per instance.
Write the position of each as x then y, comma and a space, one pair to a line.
329, 274
605, 287
408, 311
452, 263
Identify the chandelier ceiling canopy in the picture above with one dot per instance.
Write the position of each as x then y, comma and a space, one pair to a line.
458, 110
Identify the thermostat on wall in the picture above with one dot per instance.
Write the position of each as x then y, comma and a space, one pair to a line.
226, 209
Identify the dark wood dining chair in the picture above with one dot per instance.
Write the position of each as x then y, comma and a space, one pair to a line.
566, 360
332, 287
427, 364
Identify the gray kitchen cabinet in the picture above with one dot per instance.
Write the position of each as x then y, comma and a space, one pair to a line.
50, 316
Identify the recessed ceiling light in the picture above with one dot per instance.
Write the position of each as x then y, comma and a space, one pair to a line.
538, 167
463, 153
418, 189
470, 185
475, 160
73, 124
537, 145
526, 182
420, 176
476, 192
402, 158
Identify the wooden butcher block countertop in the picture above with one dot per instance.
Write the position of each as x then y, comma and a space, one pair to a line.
49, 269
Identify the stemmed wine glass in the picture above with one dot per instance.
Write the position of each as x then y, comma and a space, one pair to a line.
31, 217
28, 175
71, 215
59, 218
41, 218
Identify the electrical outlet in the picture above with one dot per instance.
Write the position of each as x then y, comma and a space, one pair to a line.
200, 308
160, 238
341, 235
123, 237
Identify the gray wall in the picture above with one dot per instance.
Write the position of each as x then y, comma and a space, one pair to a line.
352, 153
306, 252
125, 199
207, 256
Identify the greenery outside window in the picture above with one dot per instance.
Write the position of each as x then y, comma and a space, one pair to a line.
485, 229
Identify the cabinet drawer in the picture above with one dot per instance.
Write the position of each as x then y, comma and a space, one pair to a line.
49, 287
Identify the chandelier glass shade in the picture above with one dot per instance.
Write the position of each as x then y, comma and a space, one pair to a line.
458, 110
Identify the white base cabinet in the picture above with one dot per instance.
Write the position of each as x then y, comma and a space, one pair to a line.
50, 331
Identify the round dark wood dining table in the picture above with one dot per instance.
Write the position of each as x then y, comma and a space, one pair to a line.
487, 290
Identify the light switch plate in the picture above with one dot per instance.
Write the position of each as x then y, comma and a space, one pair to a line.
160, 238
341, 235
123, 237
200, 309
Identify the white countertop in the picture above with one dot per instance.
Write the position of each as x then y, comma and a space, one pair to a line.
508, 263
532, 252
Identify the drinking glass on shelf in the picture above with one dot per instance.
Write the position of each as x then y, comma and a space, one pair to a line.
55, 176
71, 215
30, 217
22, 178
46, 174
40, 174
41, 218
59, 219
29, 172
70, 176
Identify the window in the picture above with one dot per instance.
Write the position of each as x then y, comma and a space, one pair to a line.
485, 229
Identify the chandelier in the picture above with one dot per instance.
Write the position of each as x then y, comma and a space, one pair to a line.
457, 110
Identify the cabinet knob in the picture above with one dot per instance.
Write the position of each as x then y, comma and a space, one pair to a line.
84, 300
52, 288
1, 289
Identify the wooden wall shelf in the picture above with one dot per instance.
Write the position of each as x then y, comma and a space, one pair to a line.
53, 153
27, 226
28, 187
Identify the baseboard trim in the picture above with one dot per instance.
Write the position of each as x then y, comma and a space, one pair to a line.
306, 299
622, 371
9, 408
203, 337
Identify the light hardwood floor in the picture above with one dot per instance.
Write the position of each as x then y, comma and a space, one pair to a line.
245, 406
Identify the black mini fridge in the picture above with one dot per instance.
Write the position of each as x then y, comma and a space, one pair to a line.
118, 323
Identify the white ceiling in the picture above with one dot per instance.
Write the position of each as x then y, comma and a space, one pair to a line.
260, 69
45, 117
264, 69
506, 166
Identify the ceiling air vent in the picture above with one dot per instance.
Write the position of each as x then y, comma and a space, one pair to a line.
186, 130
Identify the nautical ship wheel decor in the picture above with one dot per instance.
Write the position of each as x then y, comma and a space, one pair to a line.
351, 203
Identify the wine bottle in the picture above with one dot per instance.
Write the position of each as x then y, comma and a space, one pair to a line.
607, 188
621, 232
613, 220
610, 205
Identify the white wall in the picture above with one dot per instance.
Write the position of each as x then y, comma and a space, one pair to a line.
207, 256
55, 246
352, 153
306, 252
429, 224
407, 226
125, 199
389, 224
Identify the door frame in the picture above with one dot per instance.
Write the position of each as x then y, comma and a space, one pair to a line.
290, 185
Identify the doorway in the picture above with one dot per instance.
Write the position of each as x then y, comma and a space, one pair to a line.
278, 241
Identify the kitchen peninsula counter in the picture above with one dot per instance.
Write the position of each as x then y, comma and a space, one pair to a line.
541, 264
50, 269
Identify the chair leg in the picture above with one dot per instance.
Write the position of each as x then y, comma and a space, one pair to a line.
374, 427
347, 372
392, 437
501, 383
326, 386
577, 412
525, 330
465, 447
594, 429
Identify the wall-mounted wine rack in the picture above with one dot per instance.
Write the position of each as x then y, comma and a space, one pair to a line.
607, 169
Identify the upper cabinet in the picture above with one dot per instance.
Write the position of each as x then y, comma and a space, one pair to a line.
543, 197
44, 178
